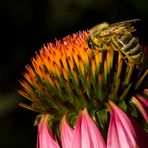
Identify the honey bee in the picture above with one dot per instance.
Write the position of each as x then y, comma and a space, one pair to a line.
118, 36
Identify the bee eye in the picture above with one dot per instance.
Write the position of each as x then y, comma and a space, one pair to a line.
90, 43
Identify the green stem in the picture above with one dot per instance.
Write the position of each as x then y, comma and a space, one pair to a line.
141, 79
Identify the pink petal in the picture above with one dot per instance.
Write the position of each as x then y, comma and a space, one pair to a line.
86, 133
121, 133
143, 100
140, 106
66, 133
45, 140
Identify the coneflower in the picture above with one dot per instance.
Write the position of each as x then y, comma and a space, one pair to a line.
86, 97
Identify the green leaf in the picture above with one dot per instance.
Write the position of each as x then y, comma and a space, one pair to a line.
102, 117
123, 106
36, 121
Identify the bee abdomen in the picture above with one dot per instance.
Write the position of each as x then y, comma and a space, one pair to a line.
127, 41
137, 57
130, 47
124, 38
135, 50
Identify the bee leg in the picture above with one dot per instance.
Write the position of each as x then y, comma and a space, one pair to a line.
115, 45
126, 60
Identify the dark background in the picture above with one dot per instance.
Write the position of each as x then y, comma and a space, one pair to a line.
25, 25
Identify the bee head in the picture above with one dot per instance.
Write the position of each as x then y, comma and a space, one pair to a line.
95, 33
90, 43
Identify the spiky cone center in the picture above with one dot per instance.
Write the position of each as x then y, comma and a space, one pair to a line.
68, 76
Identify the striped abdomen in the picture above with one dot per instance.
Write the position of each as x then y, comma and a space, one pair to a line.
130, 48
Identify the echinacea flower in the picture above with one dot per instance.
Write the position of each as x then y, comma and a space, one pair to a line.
86, 97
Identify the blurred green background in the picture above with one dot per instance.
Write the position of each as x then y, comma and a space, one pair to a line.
28, 24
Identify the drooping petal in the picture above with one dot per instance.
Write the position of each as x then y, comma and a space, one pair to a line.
45, 140
66, 133
86, 133
141, 105
121, 133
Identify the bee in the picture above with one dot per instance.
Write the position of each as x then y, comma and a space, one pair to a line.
117, 36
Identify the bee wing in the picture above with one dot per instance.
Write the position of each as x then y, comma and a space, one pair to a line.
126, 24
